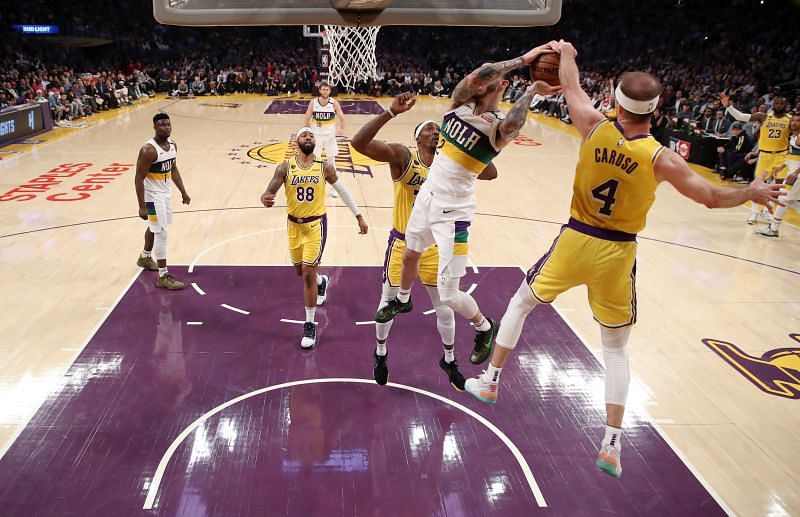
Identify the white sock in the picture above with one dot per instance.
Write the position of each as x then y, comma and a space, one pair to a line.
162, 271
492, 374
403, 295
145, 254
319, 279
449, 355
613, 437
310, 312
754, 208
483, 326
380, 349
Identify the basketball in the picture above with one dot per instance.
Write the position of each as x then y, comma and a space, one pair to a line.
545, 68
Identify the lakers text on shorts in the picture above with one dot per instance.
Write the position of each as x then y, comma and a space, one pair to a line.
581, 256
307, 239
393, 263
768, 161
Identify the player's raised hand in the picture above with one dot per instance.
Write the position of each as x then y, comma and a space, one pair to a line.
724, 99
268, 199
403, 103
764, 193
531, 55
562, 46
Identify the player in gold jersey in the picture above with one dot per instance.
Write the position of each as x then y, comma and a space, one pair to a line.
409, 170
304, 178
773, 143
792, 167
619, 168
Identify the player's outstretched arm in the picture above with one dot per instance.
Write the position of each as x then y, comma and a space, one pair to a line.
672, 168
309, 111
474, 84
583, 115
509, 128
278, 179
738, 115
333, 180
147, 155
397, 155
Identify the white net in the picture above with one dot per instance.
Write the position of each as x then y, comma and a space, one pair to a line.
352, 54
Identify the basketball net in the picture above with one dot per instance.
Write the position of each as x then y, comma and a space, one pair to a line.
352, 52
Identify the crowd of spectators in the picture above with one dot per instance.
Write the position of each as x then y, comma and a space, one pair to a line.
697, 48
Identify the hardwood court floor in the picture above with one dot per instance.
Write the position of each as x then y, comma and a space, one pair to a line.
728, 404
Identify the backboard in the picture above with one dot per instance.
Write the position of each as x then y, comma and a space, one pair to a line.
500, 13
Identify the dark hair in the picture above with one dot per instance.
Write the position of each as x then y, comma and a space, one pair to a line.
160, 116
324, 83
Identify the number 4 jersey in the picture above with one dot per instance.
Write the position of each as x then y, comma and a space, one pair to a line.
614, 180
305, 189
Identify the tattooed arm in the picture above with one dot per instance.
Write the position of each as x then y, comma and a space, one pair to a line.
509, 128
475, 84
268, 197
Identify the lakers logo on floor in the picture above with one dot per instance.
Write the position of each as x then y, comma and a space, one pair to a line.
777, 372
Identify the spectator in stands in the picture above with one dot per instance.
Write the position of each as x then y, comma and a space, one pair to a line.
182, 90
658, 125
3, 100
198, 86
121, 93
706, 122
733, 151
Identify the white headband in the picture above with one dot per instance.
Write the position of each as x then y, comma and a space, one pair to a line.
634, 106
301, 131
421, 127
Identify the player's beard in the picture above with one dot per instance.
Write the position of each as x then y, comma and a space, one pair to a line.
306, 148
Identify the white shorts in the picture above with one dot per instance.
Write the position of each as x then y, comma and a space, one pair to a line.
442, 220
326, 141
159, 211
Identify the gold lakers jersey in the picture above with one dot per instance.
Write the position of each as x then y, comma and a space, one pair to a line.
466, 146
305, 189
774, 135
406, 188
324, 115
159, 176
614, 181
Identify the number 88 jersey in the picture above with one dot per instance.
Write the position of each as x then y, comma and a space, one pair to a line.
615, 184
305, 189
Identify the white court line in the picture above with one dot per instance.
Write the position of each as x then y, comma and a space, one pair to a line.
366, 322
654, 422
102, 308
194, 322
298, 322
197, 288
234, 309
152, 490
59, 378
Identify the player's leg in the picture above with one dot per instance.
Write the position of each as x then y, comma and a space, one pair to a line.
418, 238
158, 222
566, 264
790, 200
766, 163
612, 297
309, 276
331, 147
392, 265
145, 259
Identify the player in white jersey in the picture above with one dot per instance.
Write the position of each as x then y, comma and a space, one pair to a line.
323, 116
156, 170
472, 133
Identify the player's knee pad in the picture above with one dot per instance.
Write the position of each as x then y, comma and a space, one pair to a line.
514, 318
615, 356
451, 296
160, 244
446, 324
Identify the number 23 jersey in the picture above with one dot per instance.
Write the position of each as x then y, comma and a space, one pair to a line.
305, 189
615, 184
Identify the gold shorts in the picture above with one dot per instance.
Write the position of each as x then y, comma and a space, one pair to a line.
768, 161
393, 263
307, 240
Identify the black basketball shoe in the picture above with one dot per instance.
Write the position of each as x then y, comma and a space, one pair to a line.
483, 343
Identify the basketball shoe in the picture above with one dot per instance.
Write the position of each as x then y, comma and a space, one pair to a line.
168, 282
482, 390
322, 290
767, 232
147, 263
309, 335
763, 214
456, 379
380, 371
387, 313
608, 460
483, 343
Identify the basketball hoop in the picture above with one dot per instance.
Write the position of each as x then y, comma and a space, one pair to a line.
352, 50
